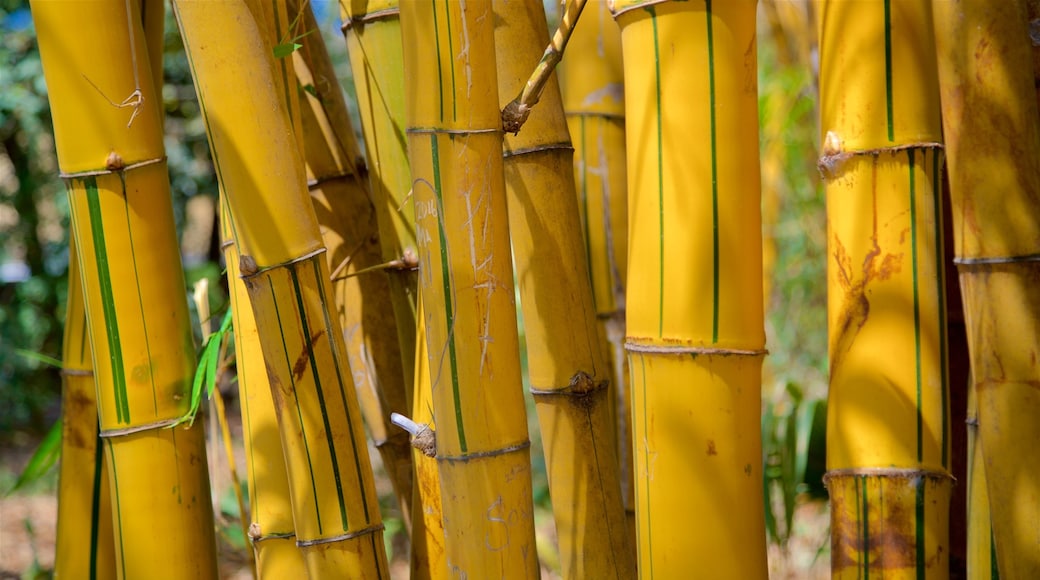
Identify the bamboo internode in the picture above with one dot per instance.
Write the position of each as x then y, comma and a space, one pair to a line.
84, 535
694, 307
455, 149
570, 377
888, 433
992, 130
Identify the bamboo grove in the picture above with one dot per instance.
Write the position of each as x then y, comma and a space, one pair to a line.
375, 285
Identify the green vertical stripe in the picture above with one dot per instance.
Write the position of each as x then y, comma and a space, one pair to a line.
917, 303
660, 178
95, 503
994, 568
440, 71
117, 508
320, 391
338, 364
296, 401
714, 182
115, 348
451, 51
446, 287
940, 265
919, 563
888, 67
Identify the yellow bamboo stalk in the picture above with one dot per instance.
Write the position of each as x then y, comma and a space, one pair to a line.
455, 148
428, 558
360, 282
110, 150
981, 557
593, 99
84, 531
271, 529
888, 434
258, 161
372, 30
570, 378
992, 130
694, 309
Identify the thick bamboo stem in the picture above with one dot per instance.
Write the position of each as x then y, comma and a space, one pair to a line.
335, 508
593, 99
455, 148
361, 291
109, 140
84, 534
271, 529
694, 307
992, 130
888, 432
570, 378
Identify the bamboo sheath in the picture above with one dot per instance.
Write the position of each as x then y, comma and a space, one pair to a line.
109, 141
360, 284
455, 149
694, 309
84, 531
593, 99
992, 131
258, 161
372, 30
570, 377
428, 558
888, 433
271, 528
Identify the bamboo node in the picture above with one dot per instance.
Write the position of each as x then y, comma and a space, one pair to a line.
114, 162
423, 437
514, 116
247, 265
341, 537
833, 156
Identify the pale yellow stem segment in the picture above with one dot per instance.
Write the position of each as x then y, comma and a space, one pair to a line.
694, 319
462, 229
372, 29
258, 160
594, 101
992, 129
888, 433
110, 151
271, 528
84, 534
428, 559
570, 377
361, 288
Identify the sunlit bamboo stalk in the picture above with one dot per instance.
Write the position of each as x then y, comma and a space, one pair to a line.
110, 150
694, 307
593, 99
83, 545
346, 215
372, 30
980, 554
258, 161
992, 131
455, 148
271, 529
888, 434
570, 377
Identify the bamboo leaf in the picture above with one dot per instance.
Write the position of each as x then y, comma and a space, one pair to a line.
207, 371
38, 357
286, 48
42, 460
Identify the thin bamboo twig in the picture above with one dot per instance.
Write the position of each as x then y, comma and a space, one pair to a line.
515, 113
